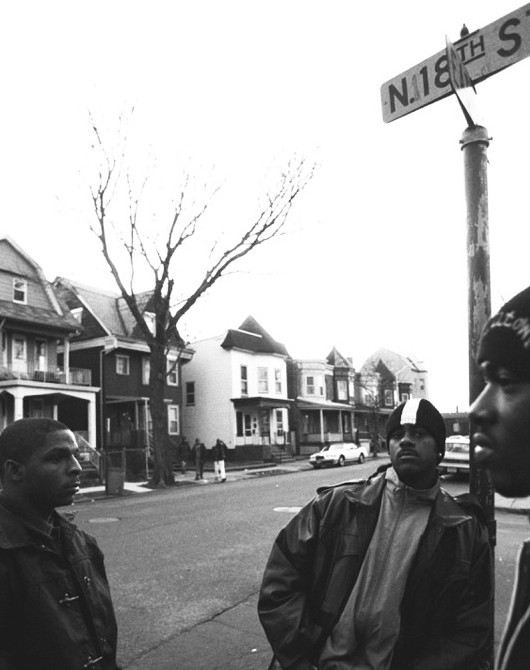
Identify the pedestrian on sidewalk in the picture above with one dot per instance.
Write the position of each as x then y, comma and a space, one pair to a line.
199, 455
56, 611
219, 452
390, 573
500, 417
184, 454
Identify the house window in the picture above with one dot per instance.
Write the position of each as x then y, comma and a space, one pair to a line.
389, 398
146, 370
149, 319
77, 313
342, 390
278, 380
263, 380
173, 419
404, 397
122, 364
172, 373
244, 380
190, 393
243, 424
19, 350
310, 385
20, 290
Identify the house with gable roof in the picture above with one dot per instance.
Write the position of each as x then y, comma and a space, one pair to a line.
35, 381
235, 389
324, 398
385, 380
112, 346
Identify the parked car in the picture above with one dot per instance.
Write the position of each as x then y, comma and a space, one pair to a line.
456, 459
338, 454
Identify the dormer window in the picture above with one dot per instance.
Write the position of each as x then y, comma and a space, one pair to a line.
20, 291
77, 313
150, 321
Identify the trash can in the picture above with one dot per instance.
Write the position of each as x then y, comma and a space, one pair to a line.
115, 481
115, 472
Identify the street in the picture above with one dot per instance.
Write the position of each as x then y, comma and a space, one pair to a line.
182, 561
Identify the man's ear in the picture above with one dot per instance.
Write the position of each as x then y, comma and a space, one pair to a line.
13, 471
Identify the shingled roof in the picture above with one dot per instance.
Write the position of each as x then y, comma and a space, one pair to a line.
253, 337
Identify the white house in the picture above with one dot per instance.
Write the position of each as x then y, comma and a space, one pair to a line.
235, 388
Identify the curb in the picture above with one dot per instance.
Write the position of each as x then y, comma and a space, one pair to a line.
251, 471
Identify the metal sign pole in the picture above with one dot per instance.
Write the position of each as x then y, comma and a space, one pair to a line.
475, 142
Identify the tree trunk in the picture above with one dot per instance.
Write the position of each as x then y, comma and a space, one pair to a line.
163, 471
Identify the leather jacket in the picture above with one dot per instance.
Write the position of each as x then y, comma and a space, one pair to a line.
446, 611
56, 611
514, 649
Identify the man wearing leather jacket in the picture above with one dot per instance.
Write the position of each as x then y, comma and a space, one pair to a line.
501, 419
392, 573
56, 611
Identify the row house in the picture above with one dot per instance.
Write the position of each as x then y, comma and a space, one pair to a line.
235, 389
35, 380
111, 345
323, 408
385, 380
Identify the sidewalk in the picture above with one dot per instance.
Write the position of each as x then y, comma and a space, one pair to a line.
252, 470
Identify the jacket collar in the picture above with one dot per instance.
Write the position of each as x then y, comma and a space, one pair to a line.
446, 510
16, 532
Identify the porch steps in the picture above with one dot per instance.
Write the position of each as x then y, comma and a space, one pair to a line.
89, 474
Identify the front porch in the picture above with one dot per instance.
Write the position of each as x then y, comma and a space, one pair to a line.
323, 423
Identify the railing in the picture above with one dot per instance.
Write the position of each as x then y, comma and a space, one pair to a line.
78, 376
264, 440
86, 451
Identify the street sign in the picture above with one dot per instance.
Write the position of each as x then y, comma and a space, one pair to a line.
484, 52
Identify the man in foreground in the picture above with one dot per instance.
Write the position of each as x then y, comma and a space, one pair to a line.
56, 611
501, 419
388, 573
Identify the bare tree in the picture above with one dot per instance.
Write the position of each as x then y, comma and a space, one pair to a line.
123, 234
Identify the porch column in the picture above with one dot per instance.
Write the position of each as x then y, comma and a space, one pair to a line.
55, 411
341, 418
19, 404
66, 361
321, 412
91, 422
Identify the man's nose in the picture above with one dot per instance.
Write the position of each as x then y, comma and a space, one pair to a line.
480, 410
74, 465
407, 438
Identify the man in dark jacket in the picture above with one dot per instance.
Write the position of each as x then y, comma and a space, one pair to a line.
389, 573
219, 455
56, 611
501, 419
198, 453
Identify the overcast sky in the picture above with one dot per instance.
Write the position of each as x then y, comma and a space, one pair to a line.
375, 255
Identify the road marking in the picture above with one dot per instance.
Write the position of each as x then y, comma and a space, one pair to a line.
104, 519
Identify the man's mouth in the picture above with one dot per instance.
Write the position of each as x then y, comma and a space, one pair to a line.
483, 450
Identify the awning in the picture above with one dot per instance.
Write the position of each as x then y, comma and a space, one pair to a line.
257, 402
305, 405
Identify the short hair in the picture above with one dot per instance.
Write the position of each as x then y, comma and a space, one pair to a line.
20, 439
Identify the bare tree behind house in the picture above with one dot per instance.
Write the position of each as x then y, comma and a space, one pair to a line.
126, 231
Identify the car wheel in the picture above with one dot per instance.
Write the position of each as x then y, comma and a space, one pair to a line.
340, 461
316, 466
361, 458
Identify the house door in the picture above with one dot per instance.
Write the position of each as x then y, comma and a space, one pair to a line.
265, 426
41, 356
19, 356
